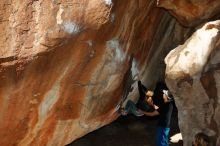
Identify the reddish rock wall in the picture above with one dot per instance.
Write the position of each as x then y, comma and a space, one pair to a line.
191, 12
65, 65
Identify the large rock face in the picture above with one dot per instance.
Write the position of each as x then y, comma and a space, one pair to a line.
193, 76
191, 12
66, 65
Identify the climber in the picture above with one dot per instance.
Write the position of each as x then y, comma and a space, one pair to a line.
164, 111
144, 103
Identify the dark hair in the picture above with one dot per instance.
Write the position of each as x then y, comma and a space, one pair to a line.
202, 139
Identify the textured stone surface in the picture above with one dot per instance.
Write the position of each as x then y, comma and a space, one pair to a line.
191, 12
65, 65
193, 76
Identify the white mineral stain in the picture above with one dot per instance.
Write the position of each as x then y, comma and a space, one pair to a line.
59, 15
112, 17
134, 68
90, 43
119, 53
71, 27
108, 2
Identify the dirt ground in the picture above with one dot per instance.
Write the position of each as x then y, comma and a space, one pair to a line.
127, 131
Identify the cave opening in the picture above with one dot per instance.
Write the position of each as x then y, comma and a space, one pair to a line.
131, 130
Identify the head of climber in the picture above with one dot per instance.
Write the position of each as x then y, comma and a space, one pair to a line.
149, 94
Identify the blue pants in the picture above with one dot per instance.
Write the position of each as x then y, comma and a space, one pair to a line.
131, 108
162, 136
